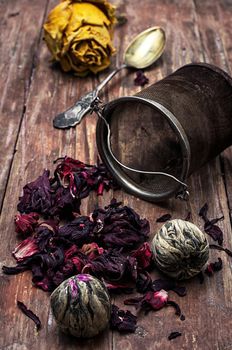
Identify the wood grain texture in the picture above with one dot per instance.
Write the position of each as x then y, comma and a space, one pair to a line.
196, 31
20, 30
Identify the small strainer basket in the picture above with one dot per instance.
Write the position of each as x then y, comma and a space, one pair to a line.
167, 131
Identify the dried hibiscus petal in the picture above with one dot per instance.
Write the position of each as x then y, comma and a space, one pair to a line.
25, 249
26, 223
143, 282
209, 227
29, 314
214, 231
164, 218
177, 309
188, 216
77, 231
117, 288
213, 267
150, 301
168, 284
82, 178
203, 211
123, 321
117, 226
174, 335
64, 204
36, 195
92, 250
217, 247
143, 255
141, 78
14, 270
113, 266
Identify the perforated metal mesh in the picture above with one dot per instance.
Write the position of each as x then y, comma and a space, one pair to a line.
197, 114
143, 139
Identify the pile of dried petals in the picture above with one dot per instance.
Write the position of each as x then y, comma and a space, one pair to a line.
109, 244
105, 245
60, 196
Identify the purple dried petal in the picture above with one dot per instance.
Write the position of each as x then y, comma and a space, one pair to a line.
64, 204
210, 228
14, 270
176, 307
168, 285
143, 282
203, 211
141, 78
217, 265
123, 321
164, 218
215, 232
29, 314
119, 227
217, 247
113, 266
212, 222
77, 231
188, 216
174, 335
119, 288
36, 195
213, 267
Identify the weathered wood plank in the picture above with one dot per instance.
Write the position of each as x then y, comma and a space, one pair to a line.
206, 307
20, 26
38, 145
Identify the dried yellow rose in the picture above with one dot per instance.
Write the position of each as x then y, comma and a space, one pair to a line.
79, 35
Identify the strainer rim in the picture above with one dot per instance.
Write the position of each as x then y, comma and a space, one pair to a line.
116, 170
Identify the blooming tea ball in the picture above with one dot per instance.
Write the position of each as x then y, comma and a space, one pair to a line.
180, 249
81, 306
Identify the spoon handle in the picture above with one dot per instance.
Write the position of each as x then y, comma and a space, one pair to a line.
109, 77
73, 115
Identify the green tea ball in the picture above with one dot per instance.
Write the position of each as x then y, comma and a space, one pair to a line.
180, 249
81, 306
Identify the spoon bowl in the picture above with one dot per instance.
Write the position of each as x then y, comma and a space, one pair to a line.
145, 48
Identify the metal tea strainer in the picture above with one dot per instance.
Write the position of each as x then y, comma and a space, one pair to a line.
153, 141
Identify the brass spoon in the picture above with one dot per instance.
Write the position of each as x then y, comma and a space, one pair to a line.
142, 52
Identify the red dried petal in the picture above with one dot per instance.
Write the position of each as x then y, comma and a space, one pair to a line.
123, 321
164, 218
25, 249
92, 250
25, 223
143, 255
150, 301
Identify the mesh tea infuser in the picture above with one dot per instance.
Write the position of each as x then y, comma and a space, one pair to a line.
153, 141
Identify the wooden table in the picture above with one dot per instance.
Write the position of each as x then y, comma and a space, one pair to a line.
32, 93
